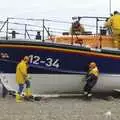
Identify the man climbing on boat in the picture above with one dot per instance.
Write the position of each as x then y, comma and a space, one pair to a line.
22, 78
91, 79
114, 23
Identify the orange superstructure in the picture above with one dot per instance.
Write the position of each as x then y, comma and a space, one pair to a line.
90, 40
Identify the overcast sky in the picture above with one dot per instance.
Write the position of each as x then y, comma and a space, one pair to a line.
61, 9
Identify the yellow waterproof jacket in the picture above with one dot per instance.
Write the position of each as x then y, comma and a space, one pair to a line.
113, 22
94, 71
21, 72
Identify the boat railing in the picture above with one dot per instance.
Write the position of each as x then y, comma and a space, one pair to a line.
52, 30
28, 28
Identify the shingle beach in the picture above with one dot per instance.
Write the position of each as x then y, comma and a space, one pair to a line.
60, 109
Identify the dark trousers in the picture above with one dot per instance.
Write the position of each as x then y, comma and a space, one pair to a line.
4, 91
91, 81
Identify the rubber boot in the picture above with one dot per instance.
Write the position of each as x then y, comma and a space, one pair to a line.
18, 98
28, 94
89, 96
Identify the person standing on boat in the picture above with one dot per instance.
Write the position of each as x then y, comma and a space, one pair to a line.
77, 28
91, 79
38, 36
22, 78
108, 30
114, 23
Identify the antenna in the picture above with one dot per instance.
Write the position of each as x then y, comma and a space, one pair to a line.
109, 7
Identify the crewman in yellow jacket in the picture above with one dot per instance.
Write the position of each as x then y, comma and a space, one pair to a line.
91, 79
22, 78
114, 23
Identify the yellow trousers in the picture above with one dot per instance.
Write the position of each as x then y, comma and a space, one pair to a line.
116, 38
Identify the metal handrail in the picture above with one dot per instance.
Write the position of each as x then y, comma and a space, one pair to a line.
43, 27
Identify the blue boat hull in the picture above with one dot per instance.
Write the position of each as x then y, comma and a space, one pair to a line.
60, 68
56, 59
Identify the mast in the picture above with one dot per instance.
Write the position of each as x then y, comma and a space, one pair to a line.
109, 7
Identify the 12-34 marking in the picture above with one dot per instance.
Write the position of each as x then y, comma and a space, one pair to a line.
49, 62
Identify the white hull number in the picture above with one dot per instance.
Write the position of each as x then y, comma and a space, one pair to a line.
49, 62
